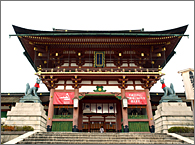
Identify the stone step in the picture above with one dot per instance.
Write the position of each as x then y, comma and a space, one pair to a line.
109, 137
98, 142
96, 133
102, 140
101, 134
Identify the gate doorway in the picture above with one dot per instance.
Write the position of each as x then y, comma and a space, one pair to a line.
100, 110
94, 123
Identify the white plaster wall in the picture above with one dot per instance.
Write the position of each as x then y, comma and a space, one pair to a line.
130, 88
60, 82
132, 64
107, 88
65, 64
137, 82
60, 88
99, 82
112, 82
139, 88
87, 89
69, 88
124, 65
129, 82
88, 64
112, 89
110, 64
86, 82
69, 82
74, 64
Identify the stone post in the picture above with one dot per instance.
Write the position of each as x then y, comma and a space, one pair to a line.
149, 111
124, 113
75, 112
50, 110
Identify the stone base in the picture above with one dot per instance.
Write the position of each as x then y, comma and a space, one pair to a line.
30, 99
27, 114
170, 114
170, 98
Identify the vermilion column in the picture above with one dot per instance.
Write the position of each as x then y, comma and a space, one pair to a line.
124, 113
104, 126
50, 110
76, 112
89, 125
118, 117
80, 121
149, 111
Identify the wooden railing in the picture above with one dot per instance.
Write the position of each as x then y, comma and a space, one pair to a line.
99, 70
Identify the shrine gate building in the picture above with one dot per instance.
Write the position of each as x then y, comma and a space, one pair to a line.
99, 78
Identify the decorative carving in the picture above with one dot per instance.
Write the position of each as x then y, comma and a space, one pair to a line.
99, 89
76, 82
99, 58
123, 81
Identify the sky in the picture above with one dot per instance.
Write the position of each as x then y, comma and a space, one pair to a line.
16, 70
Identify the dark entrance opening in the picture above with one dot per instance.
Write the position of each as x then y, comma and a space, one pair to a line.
100, 110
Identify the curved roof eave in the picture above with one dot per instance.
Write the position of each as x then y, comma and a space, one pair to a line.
179, 30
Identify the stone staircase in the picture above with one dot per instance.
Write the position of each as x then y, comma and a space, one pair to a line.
100, 138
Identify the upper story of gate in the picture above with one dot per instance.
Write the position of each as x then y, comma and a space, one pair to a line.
123, 52
77, 49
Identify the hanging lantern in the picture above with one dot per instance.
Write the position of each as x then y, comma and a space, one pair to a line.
125, 104
120, 54
163, 49
35, 48
158, 54
75, 103
142, 54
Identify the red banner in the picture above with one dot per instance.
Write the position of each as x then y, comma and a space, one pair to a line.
63, 98
136, 98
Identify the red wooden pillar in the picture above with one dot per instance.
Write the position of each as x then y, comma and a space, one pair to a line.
104, 124
50, 110
76, 112
80, 121
149, 110
124, 113
118, 117
89, 125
